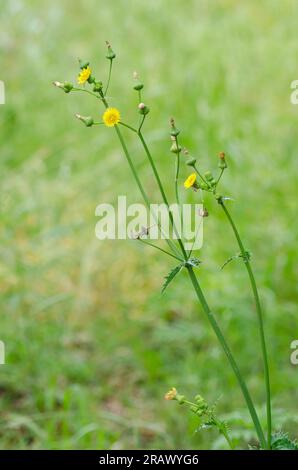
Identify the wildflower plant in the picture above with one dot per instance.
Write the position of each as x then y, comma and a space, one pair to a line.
199, 182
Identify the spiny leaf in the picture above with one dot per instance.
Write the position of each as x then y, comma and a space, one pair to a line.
169, 277
194, 262
246, 257
281, 441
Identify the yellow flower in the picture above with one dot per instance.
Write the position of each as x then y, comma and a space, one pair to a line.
171, 394
84, 75
111, 116
190, 181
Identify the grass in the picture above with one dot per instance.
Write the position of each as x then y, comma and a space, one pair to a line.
91, 345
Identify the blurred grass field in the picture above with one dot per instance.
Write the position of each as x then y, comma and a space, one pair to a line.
91, 345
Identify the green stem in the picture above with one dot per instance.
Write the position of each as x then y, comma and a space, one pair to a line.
202, 178
220, 175
134, 172
109, 77
87, 91
177, 177
141, 123
229, 355
160, 249
164, 197
195, 283
128, 126
260, 320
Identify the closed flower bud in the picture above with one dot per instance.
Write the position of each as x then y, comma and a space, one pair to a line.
138, 85
180, 399
174, 131
222, 161
66, 86
204, 186
175, 148
191, 161
143, 109
208, 175
97, 86
83, 65
110, 54
87, 120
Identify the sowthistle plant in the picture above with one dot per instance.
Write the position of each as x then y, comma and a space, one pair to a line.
199, 182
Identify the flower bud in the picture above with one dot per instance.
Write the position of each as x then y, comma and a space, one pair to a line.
222, 161
175, 148
209, 177
66, 86
97, 87
91, 79
191, 161
204, 186
203, 213
110, 54
138, 85
87, 120
171, 394
83, 65
143, 109
180, 399
199, 400
174, 131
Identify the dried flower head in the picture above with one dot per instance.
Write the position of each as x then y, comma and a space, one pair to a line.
171, 394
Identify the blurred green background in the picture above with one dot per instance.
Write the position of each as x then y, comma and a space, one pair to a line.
91, 345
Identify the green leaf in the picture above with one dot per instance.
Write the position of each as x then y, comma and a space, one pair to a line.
169, 277
281, 441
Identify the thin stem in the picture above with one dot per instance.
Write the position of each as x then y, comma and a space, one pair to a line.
260, 321
87, 91
109, 77
160, 249
221, 173
227, 438
194, 281
141, 123
177, 176
128, 126
202, 178
137, 179
229, 355
164, 197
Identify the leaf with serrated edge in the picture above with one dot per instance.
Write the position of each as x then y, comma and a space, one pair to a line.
169, 277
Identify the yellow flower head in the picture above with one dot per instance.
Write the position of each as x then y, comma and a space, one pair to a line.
84, 75
111, 116
190, 181
171, 394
